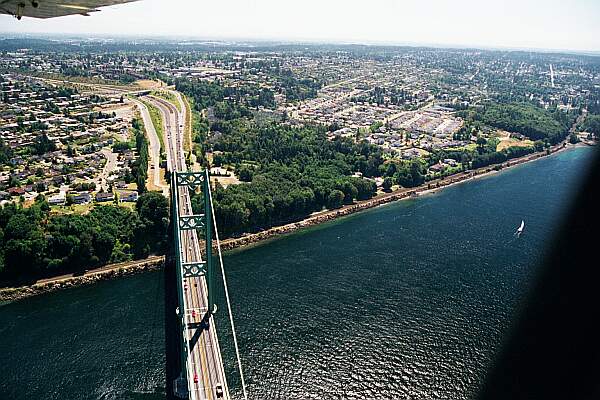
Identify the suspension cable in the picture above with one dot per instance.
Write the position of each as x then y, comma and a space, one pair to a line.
235, 343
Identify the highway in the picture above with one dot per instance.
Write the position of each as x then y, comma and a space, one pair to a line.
153, 149
206, 376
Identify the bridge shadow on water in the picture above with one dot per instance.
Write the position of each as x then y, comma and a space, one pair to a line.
172, 331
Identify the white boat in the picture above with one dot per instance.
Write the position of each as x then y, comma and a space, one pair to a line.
520, 229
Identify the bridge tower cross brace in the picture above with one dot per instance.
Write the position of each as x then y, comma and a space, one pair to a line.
194, 268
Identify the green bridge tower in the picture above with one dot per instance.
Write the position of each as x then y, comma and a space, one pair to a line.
188, 262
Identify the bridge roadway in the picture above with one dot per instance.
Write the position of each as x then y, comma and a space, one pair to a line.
204, 363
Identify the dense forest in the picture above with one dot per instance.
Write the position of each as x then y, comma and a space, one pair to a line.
527, 119
294, 88
496, 157
214, 94
289, 173
292, 172
35, 243
592, 125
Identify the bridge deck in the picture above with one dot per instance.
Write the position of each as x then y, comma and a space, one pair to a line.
205, 373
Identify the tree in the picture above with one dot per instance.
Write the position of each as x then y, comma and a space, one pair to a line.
526, 119
245, 173
35, 243
153, 207
104, 244
120, 146
391, 169
350, 192
153, 210
13, 181
592, 125
121, 252
539, 145
24, 240
5, 152
335, 199
573, 138
43, 145
233, 215
365, 188
387, 184
410, 175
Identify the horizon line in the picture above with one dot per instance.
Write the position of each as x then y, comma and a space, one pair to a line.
301, 41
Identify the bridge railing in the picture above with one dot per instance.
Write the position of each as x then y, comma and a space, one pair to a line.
186, 268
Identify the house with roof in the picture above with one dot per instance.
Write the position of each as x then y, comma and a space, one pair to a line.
82, 198
16, 191
128, 196
102, 197
58, 199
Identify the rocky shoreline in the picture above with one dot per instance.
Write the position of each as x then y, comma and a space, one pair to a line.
156, 262
103, 274
246, 240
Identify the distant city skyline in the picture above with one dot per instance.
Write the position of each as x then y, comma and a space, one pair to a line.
539, 25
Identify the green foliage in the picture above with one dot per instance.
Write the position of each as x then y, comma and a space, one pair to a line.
335, 199
6, 152
527, 119
156, 118
294, 172
573, 138
375, 126
168, 96
592, 125
497, 157
410, 174
139, 169
539, 145
266, 98
387, 184
226, 110
239, 98
203, 93
200, 128
120, 146
245, 173
42, 145
35, 244
153, 211
295, 88
83, 186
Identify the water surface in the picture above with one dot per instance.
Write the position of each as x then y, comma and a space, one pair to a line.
406, 301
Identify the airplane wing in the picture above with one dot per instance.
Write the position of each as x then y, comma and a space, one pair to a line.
53, 8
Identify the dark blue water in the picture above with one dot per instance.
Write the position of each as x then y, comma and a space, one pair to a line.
410, 300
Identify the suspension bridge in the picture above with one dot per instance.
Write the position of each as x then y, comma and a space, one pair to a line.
202, 375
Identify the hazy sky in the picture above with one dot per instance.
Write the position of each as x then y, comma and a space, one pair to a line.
549, 24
